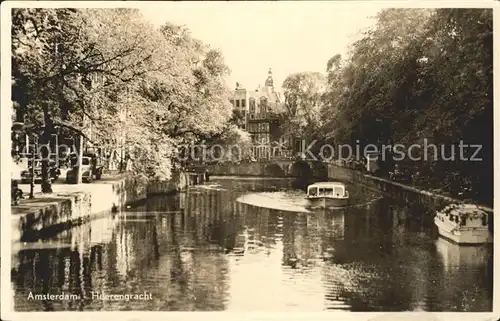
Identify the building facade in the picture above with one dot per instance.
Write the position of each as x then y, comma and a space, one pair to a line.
261, 108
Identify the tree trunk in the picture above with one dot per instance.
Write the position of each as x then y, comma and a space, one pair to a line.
32, 172
79, 160
45, 151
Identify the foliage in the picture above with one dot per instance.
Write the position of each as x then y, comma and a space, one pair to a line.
303, 92
238, 118
236, 144
419, 74
137, 87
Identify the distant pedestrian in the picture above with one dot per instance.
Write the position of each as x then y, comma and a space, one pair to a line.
16, 192
128, 165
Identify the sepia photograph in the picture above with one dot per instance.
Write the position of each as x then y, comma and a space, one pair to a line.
254, 156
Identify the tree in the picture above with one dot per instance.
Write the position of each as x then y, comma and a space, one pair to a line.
58, 54
429, 74
185, 102
189, 101
235, 144
238, 118
139, 88
303, 93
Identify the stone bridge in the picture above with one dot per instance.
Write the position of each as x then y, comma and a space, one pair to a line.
275, 168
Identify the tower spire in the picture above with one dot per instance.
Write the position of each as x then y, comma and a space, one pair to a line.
269, 80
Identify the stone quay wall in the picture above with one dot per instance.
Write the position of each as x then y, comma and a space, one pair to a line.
397, 190
178, 182
71, 205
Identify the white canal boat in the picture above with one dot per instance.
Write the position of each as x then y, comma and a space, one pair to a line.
327, 194
463, 224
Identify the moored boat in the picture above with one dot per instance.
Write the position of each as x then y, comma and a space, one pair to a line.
327, 194
463, 224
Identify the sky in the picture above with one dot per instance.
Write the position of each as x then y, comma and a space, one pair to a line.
287, 37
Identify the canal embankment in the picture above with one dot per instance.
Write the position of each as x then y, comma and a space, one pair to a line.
73, 204
402, 192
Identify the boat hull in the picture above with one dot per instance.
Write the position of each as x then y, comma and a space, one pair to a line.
465, 236
325, 202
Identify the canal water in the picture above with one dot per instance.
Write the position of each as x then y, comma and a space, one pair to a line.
252, 245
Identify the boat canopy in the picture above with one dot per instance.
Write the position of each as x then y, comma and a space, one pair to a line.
326, 189
470, 210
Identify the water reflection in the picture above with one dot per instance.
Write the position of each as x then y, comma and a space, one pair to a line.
466, 269
203, 250
455, 256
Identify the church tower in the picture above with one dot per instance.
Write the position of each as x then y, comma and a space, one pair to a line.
269, 81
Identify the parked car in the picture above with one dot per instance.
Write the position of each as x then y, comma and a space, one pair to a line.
27, 174
54, 170
91, 169
54, 173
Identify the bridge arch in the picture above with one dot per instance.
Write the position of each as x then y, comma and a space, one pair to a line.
274, 169
301, 168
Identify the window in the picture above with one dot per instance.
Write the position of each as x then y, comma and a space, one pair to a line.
339, 191
232, 101
243, 103
263, 105
325, 191
252, 105
237, 103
